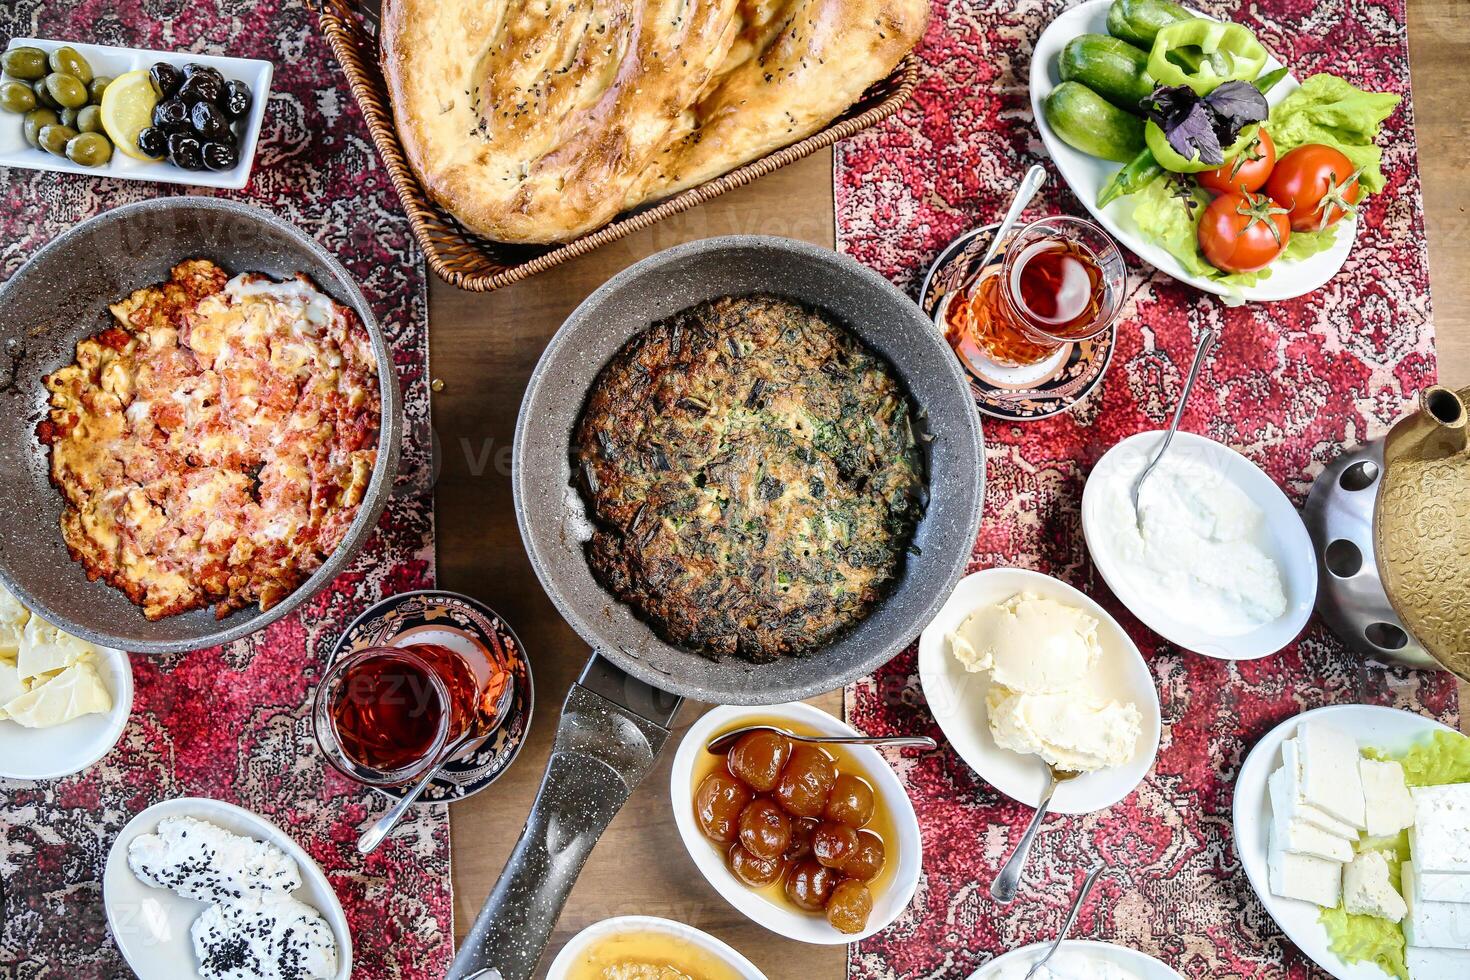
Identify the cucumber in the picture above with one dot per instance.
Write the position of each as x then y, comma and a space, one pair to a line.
1139, 21
1087, 121
1111, 67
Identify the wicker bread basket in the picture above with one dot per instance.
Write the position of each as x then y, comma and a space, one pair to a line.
464, 259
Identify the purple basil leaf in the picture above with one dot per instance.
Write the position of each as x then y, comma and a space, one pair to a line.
1196, 131
1236, 105
1169, 106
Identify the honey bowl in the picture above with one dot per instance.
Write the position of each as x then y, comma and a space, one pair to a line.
892, 821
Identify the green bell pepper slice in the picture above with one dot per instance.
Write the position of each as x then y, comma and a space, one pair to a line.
1171, 159
1229, 52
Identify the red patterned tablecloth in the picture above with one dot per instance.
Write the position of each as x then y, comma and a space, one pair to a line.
232, 723
1290, 385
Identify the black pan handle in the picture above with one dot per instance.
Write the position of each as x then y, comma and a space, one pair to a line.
602, 750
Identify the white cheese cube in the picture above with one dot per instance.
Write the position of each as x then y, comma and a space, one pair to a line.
1299, 837
46, 649
1366, 889
1298, 876
1437, 964
1291, 765
1331, 780
1440, 838
1390, 808
1445, 924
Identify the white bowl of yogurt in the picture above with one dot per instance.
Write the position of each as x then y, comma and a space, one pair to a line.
1077, 959
1216, 559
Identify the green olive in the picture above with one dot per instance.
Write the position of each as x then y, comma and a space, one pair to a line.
89, 119
17, 97
43, 95
69, 117
67, 90
53, 139
89, 149
28, 64
69, 61
96, 87
36, 120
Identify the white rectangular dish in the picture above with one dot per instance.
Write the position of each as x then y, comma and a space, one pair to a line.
15, 152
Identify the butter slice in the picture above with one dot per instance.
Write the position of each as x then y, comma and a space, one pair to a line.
13, 618
11, 686
45, 649
76, 691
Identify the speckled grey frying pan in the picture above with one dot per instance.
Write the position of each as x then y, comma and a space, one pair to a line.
60, 296
615, 721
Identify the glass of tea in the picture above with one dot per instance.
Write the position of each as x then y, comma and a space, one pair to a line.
386, 715
1060, 280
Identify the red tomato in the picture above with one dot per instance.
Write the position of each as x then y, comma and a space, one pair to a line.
1243, 232
1317, 183
1247, 172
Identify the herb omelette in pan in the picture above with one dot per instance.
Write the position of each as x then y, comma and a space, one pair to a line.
753, 476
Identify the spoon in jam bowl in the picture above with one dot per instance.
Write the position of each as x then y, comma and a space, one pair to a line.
722, 744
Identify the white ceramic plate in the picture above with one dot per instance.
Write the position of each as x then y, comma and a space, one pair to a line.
1013, 965
1283, 536
151, 925
805, 927
957, 697
1389, 729
1086, 175
105, 60
561, 967
50, 753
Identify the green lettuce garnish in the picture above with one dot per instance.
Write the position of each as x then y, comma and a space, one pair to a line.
1164, 215
1327, 109
1442, 758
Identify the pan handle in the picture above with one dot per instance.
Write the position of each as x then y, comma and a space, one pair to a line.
602, 750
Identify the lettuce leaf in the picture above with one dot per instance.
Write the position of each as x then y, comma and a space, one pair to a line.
1327, 109
1169, 222
1444, 757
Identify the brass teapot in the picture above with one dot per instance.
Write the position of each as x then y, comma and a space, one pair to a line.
1390, 522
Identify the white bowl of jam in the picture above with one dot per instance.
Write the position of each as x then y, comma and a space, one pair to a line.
850, 852
629, 945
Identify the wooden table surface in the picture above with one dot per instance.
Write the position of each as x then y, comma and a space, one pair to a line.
483, 349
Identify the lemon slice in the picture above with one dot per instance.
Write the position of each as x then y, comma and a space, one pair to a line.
127, 110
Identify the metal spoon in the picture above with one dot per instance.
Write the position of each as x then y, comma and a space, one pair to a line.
1067, 926
1206, 341
1003, 888
726, 742
378, 832
1030, 184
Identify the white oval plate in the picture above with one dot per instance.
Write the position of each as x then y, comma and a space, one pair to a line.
50, 753
1283, 536
151, 925
106, 60
561, 967
1013, 965
802, 926
1086, 175
1389, 729
957, 697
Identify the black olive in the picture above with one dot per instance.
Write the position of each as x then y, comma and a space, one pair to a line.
166, 79
184, 151
220, 156
235, 99
171, 115
153, 141
208, 121
200, 88
194, 68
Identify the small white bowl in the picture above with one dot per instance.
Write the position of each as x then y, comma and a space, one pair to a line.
1283, 536
50, 753
957, 697
1013, 965
151, 925
561, 967
888, 901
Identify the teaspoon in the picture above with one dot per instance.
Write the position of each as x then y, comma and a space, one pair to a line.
1003, 888
724, 743
1206, 341
1056, 943
378, 832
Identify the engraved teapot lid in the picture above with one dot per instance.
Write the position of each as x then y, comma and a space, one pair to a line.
1421, 525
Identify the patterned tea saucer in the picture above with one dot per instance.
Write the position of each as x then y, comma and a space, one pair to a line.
1015, 394
447, 617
